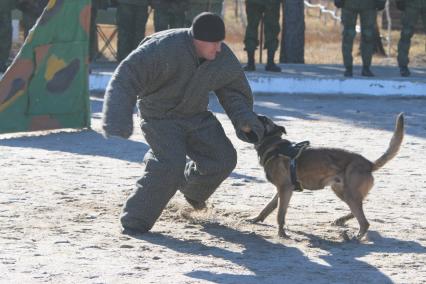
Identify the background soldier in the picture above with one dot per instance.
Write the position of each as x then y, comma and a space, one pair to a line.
366, 9
169, 14
270, 11
6, 7
412, 9
31, 11
131, 22
195, 7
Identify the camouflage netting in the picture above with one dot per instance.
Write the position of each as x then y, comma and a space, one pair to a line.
46, 87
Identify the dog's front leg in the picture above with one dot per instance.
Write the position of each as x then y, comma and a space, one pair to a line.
284, 193
266, 211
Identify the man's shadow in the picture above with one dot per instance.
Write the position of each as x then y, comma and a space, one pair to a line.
276, 263
85, 142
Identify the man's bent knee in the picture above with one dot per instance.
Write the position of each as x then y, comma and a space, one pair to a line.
133, 225
231, 161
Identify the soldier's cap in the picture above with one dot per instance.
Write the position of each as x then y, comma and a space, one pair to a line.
208, 27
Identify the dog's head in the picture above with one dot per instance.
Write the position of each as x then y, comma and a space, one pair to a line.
271, 136
271, 129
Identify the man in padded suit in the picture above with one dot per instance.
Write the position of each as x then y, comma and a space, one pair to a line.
169, 76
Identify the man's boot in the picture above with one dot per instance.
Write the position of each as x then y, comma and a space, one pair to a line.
250, 61
366, 72
197, 205
348, 71
404, 71
270, 65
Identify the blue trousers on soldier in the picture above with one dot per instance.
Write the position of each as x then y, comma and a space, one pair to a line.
212, 158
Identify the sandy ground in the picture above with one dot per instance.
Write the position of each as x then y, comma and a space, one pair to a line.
61, 195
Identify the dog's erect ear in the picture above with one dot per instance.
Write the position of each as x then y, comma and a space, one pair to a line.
282, 129
270, 127
268, 124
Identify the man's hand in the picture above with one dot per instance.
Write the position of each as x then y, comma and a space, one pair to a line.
339, 3
400, 5
109, 131
254, 132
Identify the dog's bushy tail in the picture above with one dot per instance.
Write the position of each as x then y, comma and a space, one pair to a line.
394, 144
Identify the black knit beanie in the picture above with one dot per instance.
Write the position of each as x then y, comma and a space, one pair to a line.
208, 27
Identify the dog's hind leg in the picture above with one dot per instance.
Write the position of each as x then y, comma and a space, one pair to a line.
358, 183
266, 211
358, 212
285, 193
342, 220
338, 190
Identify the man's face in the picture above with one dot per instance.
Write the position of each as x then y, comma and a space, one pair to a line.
207, 50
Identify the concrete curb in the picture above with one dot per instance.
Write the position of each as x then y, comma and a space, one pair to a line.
335, 86
274, 84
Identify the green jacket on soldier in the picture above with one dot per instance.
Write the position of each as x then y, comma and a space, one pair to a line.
134, 2
169, 14
361, 4
196, 7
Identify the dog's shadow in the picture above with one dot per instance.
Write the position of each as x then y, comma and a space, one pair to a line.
273, 261
375, 243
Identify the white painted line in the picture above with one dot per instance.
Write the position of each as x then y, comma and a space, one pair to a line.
309, 85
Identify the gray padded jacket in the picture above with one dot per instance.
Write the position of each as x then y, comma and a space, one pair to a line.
166, 80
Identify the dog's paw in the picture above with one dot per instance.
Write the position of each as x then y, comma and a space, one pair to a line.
351, 238
283, 235
362, 236
344, 234
254, 220
338, 223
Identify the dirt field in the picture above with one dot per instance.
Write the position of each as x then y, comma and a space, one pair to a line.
61, 194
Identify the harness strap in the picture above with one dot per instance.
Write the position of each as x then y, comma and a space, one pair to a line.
293, 151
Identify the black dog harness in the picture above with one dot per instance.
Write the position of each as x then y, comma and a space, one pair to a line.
283, 148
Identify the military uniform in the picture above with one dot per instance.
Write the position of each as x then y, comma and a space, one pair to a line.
367, 10
169, 14
270, 11
171, 86
6, 7
132, 16
412, 10
196, 7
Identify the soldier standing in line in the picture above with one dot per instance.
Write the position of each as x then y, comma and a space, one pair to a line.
270, 11
367, 10
6, 7
195, 7
132, 16
169, 14
31, 11
412, 10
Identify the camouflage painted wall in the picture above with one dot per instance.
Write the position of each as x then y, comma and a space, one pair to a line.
46, 87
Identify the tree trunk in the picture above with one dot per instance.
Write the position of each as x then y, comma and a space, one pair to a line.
293, 32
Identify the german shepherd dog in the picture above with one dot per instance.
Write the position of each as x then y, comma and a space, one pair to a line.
349, 174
